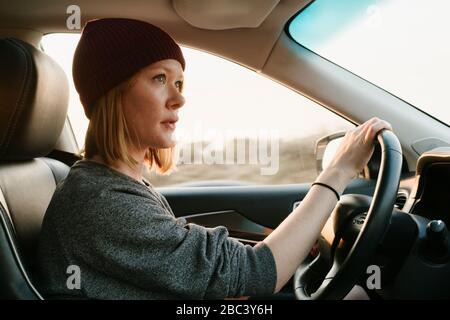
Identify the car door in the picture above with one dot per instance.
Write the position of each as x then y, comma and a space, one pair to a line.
248, 212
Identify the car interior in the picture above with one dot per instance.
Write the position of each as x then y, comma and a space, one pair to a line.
394, 215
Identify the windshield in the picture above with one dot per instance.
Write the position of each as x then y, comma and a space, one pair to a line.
399, 45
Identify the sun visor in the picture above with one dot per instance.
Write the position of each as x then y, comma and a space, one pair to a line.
224, 14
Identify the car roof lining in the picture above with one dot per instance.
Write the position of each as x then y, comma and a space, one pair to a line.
48, 16
224, 14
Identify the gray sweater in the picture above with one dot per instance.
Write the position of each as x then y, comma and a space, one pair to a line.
128, 244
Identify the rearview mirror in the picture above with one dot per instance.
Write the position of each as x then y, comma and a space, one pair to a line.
326, 148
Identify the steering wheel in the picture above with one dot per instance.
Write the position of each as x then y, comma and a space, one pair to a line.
344, 267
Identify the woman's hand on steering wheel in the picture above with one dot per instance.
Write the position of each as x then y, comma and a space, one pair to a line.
357, 147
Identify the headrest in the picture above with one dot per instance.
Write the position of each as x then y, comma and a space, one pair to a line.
34, 96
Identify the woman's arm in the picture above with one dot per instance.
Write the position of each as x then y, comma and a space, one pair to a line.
292, 240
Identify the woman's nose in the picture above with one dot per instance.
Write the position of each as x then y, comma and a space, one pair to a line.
177, 100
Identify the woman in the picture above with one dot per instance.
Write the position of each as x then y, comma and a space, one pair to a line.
110, 225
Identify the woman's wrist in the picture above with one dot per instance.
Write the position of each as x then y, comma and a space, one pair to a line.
335, 177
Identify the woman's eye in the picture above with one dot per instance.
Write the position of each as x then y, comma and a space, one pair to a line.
161, 78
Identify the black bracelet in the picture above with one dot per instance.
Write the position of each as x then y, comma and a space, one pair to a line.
327, 186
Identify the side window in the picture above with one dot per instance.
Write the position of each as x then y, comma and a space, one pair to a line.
61, 47
236, 125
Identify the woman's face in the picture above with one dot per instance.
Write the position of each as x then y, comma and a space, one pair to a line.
152, 102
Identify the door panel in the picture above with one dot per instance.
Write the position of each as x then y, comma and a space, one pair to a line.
239, 227
246, 209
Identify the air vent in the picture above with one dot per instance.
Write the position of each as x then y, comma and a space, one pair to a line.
401, 199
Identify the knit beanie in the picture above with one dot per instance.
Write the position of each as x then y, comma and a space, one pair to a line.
111, 50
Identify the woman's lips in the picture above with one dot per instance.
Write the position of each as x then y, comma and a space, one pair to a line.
170, 124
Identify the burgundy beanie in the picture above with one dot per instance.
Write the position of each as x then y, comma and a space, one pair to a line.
111, 50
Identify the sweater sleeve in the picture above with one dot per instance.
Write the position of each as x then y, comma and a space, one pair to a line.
135, 239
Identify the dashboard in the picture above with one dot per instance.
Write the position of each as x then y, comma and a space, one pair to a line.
419, 259
430, 197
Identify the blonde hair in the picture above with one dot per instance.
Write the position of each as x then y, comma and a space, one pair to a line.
109, 136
